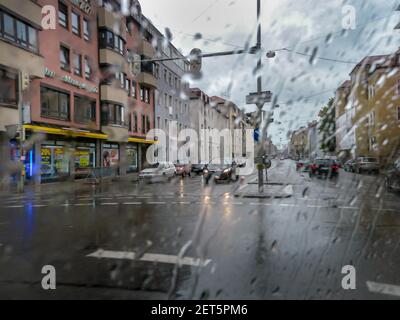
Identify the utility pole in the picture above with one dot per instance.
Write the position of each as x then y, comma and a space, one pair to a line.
260, 102
23, 84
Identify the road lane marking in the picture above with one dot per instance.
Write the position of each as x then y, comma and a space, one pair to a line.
383, 288
132, 203
155, 202
109, 204
149, 257
39, 206
13, 207
83, 204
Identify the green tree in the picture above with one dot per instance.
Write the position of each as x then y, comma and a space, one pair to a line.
327, 127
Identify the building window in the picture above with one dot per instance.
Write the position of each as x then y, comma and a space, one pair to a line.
143, 124
133, 90
109, 40
166, 100
113, 114
8, 88
148, 125
88, 69
158, 123
64, 58
135, 122
86, 30
76, 24
54, 104
63, 15
18, 32
398, 113
78, 64
371, 92
144, 94
157, 71
85, 109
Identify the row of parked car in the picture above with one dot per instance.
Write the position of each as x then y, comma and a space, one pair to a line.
320, 167
329, 167
225, 170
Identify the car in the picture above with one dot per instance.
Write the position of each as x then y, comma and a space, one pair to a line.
221, 171
323, 167
158, 171
367, 164
199, 167
302, 165
392, 177
183, 170
350, 166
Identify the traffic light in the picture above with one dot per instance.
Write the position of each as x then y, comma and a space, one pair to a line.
195, 60
25, 81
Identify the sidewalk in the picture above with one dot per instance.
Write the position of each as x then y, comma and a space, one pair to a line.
69, 187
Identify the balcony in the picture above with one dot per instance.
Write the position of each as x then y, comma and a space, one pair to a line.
116, 133
108, 56
20, 59
147, 79
146, 49
113, 94
26, 9
111, 20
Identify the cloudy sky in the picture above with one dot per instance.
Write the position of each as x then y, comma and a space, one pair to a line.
302, 84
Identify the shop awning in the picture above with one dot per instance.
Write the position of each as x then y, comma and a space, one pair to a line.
66, 132
139, 140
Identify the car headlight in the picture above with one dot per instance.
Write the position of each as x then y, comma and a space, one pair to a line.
226, 171
205, 171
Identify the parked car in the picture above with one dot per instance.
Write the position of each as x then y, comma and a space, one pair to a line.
392, 177
157, 172
302, 165
350, 166
221, 171
199, 167
367, 164
183, 170
324, 168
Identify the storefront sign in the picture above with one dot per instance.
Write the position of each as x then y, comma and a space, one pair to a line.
84, 5
67, 79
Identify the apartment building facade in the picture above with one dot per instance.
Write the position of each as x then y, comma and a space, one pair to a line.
375, 111
85, 106
20, 25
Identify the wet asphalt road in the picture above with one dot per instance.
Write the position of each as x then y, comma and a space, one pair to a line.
290, 248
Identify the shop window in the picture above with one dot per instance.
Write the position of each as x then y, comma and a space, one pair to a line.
132, 158
85, 158
64, 58
54, 104
8, 88
78, 64
76, 24
85, 109
18, 32
63, 15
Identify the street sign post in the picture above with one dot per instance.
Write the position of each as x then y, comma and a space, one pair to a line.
259, 98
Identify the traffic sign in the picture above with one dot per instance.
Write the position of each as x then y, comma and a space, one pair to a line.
256, 134
259, 98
